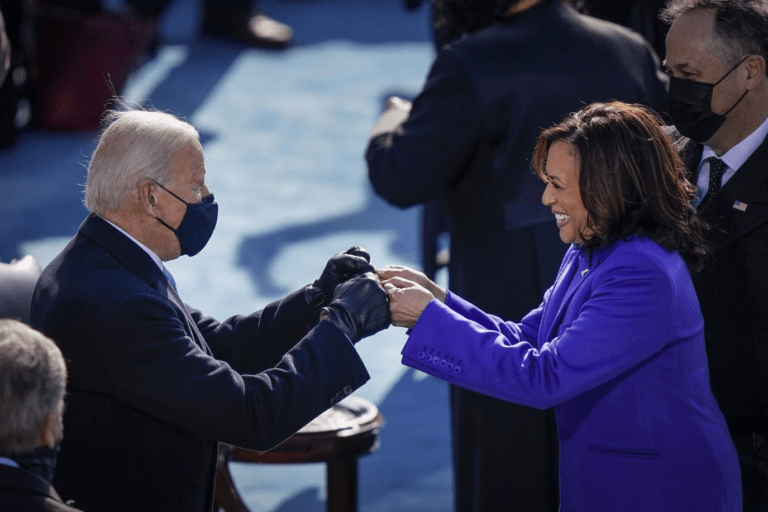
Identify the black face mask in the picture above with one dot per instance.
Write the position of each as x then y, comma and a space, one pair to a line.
690, 106
197, 225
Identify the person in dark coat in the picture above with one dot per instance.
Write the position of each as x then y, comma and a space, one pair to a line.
718, 101
470, 133
154, 384
33, 379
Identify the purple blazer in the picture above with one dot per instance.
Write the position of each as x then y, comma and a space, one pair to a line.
617, 348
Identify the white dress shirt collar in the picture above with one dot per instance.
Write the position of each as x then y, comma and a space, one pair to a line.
738, 154
152, 255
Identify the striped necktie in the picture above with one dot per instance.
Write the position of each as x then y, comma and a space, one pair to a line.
716, 169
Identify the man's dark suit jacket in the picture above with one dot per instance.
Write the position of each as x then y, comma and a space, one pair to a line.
733, 287
22, 491
154, 385
471, 133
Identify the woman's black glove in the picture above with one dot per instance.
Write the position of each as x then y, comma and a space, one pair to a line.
359, 307
339, 268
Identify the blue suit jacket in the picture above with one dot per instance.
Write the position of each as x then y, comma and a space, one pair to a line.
617, 347
154, 385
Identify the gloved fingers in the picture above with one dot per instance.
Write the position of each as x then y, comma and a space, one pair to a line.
350, 264
358, 251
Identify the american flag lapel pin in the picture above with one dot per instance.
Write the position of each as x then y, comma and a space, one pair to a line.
740, 206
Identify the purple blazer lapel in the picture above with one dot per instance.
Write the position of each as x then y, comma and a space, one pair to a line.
562, 293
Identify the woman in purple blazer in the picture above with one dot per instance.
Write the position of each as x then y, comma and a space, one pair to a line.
617, 345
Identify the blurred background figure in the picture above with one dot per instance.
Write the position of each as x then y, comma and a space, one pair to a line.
72, 56
17, 279
511, 68
32, 383
241, 20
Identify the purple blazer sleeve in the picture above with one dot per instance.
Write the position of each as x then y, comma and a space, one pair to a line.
589, 329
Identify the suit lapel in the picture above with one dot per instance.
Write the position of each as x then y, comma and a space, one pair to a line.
568, 281
747, 189
139, 263
124, 250
21, 481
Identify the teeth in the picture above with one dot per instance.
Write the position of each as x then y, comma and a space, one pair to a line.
561, 217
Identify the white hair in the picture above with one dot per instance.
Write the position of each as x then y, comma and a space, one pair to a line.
33, 379
136, 145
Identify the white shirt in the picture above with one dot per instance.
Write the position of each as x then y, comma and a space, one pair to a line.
733, 159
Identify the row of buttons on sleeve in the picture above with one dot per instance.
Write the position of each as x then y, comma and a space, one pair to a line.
341, 395
441, 362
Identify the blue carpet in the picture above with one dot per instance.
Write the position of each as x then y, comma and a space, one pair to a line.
284, 136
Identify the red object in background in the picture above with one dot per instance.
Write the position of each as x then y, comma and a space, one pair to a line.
79, 59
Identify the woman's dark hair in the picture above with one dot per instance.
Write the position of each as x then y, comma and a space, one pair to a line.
631, 180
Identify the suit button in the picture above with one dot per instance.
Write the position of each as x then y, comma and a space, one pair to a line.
457, 369
347, 389
421, 354
449, 366
436, 360
334, 400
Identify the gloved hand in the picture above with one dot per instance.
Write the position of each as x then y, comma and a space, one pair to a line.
359, 307
339, 268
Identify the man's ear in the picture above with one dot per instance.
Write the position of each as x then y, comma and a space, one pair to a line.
49, 432
756, 70
148, 197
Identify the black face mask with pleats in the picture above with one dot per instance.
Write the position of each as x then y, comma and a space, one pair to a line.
690, 107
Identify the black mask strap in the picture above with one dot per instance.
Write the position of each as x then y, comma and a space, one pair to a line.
186, 203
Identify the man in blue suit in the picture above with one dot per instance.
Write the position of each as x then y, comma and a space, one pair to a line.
155, 385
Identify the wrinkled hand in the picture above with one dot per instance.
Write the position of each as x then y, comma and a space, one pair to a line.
407, 300
396, 112
390, 271
339, 268
359, 307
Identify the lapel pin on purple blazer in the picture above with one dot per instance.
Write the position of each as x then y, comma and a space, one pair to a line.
740, 206
584, 272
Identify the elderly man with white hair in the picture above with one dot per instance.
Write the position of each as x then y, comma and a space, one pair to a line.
155, 385
33, 378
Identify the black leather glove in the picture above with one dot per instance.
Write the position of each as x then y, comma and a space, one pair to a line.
359, 307
339, 268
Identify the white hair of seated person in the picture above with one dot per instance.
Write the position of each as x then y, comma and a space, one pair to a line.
33, 380
136, 145
5, 51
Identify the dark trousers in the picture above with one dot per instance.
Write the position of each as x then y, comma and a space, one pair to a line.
752, 448
505, 455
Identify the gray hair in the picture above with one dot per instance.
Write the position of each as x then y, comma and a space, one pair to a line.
741, 26
136, 145
5, 51
33, 380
